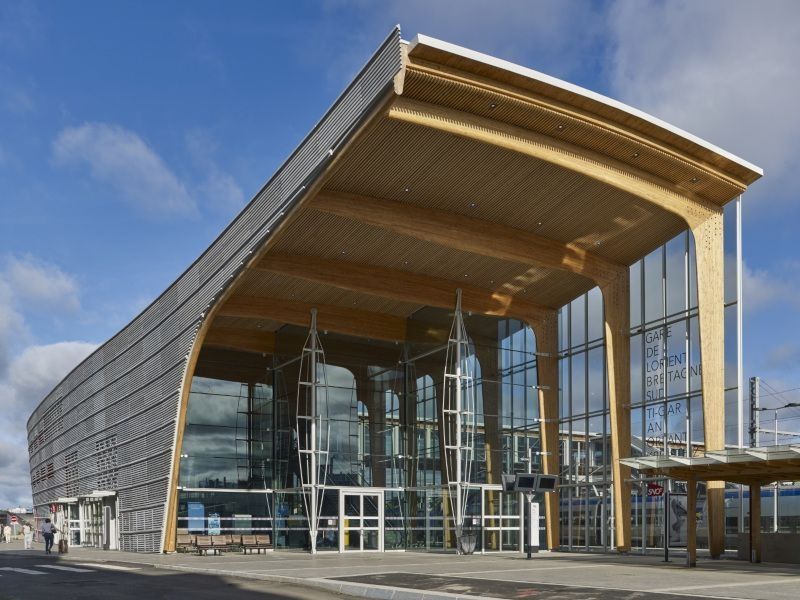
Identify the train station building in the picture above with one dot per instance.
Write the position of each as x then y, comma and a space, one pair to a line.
466, 269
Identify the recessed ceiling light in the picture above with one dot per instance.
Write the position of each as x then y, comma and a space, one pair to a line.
344, 251
695, 180
635, 155
539, 224
405, 262
406, 190
560, 126
472, 205
465, 275
597, 243
492, 106
491, 281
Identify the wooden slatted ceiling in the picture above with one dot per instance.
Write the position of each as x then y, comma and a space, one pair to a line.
635, 125
316, 234
259, 283
583, 134
224, 322
505, 187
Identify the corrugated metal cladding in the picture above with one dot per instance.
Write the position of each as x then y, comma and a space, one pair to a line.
110, 424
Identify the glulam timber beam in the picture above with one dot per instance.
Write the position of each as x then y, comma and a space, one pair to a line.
616, 307
710, 257
348, 321
247, 340
401, 285
467, 234
546, 333
679, 200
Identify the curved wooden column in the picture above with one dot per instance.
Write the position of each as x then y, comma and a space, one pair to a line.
546, 332
616, 302
710, 256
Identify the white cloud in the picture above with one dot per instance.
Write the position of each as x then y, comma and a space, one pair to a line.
556, 33
30, 376
38, 283
783, 356
12, 324
29, 372
38, 369
762, 290
219, 190
722, 69
123, 160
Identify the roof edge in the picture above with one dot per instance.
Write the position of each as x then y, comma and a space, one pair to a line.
549, 80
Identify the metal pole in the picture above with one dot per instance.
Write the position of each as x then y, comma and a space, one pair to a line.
459, 326
666, 521
739, 327
775, 486
776, 426
755, 418
775, 491
529, 498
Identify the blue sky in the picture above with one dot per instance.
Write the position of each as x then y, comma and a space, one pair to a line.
132, 132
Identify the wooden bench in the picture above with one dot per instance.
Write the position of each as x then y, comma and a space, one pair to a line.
226, 543
185, 543
203, 544
256, 542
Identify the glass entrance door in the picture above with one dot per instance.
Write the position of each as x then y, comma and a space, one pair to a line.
361, 521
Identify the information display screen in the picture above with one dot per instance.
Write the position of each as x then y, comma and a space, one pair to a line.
526, 483
546, 483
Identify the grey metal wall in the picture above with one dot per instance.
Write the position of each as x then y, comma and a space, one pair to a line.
110, 424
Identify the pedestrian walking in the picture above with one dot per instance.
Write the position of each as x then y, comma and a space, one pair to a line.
48, 532
27, 536
7, 533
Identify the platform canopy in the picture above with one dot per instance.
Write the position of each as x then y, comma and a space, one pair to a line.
748, 466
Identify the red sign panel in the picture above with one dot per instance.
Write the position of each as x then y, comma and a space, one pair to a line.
53, 509
653, 489
13, 518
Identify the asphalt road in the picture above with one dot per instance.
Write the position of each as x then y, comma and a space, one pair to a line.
512, 590
47, 577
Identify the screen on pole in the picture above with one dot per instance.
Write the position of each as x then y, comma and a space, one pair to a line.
525, 483
509, 482
546, 483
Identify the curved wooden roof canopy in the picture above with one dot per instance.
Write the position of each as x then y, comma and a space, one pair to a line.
520, 189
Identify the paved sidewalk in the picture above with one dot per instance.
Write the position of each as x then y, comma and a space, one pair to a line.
430, 575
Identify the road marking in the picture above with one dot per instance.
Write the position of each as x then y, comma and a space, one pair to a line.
23, 571
528, 569
109, 567
278, 569
719, 585
60, 568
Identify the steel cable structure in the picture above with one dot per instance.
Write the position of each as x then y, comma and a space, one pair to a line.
458, 418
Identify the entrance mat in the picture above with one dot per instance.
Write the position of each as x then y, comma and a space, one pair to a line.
499, 589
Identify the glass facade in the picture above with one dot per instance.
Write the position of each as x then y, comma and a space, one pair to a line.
666, 394
385, 484
240, 470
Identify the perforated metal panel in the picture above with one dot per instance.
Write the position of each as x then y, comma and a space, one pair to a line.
111, 421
